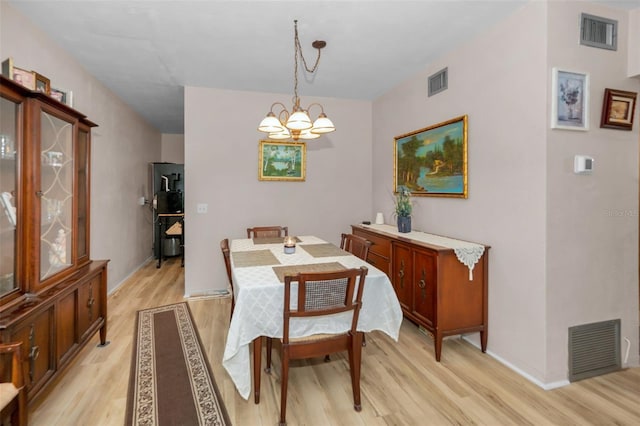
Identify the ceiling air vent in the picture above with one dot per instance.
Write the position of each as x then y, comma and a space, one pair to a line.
598, 32
438, 82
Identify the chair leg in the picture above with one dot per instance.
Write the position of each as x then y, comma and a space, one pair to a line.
257, 364
364, 339
269, 346
283, 387
355, 359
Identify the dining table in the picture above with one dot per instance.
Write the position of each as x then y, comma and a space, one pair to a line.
258, 267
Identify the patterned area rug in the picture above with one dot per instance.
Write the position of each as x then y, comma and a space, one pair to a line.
170, 381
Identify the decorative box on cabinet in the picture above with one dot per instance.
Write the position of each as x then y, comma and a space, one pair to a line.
52, 295
435, 289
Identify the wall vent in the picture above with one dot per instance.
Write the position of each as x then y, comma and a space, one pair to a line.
598, 32
438, 82
594, 349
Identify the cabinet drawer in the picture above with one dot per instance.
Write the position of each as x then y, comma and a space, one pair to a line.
380, 246
380, 262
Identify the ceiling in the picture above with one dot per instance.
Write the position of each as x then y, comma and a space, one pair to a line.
147, 51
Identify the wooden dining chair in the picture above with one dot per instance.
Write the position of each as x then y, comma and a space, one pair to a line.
321, 294
13, 394
356, 245
224, 246
267, 231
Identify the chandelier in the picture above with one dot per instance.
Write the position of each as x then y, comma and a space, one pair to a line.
297, 123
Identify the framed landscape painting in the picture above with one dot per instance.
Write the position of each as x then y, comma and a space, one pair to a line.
282, 161
433, 161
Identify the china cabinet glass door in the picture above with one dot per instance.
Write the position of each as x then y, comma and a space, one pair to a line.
56, 195
8, 191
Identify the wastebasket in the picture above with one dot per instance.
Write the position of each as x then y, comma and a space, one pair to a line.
171, 247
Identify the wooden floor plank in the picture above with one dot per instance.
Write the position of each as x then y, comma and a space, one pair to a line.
402, 384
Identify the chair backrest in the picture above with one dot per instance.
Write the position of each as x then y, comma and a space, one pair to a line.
267, 231
224, 246
324, 293
356, 245
13, 395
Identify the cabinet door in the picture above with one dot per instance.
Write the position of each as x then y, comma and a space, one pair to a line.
56, 195
36, 336
83, 183
10, 152
424, 286
402, 269
89, 302
65, 325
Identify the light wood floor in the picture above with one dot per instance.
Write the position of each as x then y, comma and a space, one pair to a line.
401, 382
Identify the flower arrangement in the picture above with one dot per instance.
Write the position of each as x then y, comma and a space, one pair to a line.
403, 203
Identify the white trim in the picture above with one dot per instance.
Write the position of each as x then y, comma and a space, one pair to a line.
545, 386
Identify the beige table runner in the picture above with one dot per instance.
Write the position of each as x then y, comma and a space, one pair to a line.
323, 250
243, 259
281, 271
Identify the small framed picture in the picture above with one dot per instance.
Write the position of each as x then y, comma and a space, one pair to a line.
24, 78
569, 100
618, 109
62, 95
7, 68
43, 84
282, 161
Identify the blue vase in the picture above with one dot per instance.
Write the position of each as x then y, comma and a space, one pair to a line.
404, 224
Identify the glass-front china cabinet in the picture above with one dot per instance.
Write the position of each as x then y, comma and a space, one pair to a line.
52, 295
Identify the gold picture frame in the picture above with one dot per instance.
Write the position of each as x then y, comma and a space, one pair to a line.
43, 84
282, 161
618, 109
432, 162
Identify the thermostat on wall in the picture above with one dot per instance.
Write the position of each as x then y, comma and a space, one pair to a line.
583, 164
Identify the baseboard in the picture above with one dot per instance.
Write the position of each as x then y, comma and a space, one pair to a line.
144, 262
545, 386
210, 294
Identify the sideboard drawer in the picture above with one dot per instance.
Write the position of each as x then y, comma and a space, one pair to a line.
380, 245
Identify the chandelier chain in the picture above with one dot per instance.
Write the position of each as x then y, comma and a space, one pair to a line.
298, 51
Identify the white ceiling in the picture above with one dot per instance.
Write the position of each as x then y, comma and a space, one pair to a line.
147, 51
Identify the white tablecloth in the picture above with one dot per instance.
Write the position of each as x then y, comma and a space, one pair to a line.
259, 305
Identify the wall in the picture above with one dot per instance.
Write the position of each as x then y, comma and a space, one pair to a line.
592, 234
122, 146
633, 42
172, 149
564, 247
221, 170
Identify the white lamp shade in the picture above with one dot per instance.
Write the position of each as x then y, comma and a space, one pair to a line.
322, 125
299, 120
307, 134
270, 124
282, 134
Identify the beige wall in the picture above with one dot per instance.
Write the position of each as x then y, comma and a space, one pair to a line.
498, 81
592, 220
633, 42
122, 147
557, 258
221, 170
172, 148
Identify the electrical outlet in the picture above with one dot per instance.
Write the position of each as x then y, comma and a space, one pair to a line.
202, 208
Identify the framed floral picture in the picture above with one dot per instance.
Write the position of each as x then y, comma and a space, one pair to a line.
282, 161
569, 100
432, 161
618, 109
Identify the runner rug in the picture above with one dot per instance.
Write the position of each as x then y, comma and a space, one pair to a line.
170, 381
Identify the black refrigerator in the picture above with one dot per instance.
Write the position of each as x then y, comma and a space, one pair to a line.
167, 193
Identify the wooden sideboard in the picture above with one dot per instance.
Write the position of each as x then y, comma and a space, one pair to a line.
435, 289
